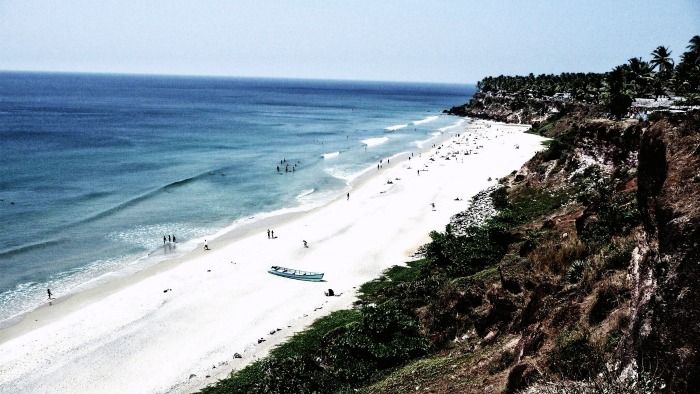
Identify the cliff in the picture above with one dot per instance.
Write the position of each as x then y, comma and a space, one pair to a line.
577, 274
510, 108
598, 290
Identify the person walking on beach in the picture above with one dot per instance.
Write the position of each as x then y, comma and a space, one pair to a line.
164, 239
206, 245
48, 291
273, 233
168, 237
348, 196
268, 233
174, 238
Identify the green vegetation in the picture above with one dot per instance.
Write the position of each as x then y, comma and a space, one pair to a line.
573, 356
575, 271
375, 291
261, 374
615, 89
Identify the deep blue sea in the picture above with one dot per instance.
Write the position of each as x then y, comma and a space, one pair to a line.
95, 169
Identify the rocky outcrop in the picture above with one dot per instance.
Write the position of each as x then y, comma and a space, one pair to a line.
507, 108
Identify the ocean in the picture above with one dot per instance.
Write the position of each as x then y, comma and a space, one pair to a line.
96, 169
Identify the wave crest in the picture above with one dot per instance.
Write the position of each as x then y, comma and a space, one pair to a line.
396, 127
425, 120
330, 155
375, 141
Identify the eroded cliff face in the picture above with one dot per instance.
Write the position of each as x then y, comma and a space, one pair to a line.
665, 324
599, 289
506, 108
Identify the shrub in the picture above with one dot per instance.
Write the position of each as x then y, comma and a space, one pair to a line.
530, 203
619, 104
299, 374
607, 298
463, 255
504, 361
291, 361
615, 216
377, 290
384, 337
572, 356
554, 255
500, 198
619, 256
575, 271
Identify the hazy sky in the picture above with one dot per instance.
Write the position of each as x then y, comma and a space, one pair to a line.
450, 41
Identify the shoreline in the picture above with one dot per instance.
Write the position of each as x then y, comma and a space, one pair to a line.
333, 228
111, 281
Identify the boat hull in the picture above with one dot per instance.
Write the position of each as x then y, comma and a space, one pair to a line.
298, 275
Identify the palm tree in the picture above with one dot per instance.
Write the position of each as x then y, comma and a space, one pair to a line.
641, 75
694, 45
639, 67
662, 60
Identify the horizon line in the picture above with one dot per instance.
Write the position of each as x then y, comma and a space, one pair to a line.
222, 76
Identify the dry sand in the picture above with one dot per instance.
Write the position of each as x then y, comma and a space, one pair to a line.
133, 337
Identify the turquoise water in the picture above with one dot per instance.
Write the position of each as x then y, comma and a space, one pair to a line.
97, 168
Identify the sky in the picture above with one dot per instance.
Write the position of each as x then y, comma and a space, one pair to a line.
430, 41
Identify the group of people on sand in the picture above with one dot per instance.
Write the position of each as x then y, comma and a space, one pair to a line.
169, 238
270, 234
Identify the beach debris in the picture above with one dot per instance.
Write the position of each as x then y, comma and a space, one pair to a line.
329, 293
208, 270
272, 332
167, 290
261, 340
192, 376
237, 355
208, 376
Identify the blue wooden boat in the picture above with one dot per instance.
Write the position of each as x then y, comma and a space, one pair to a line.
296, 274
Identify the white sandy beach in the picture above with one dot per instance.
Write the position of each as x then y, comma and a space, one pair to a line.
135, 338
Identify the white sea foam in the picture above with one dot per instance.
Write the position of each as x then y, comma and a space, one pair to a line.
330, 155
426, 120
455, 124
421, 143
375, 141
396, 127
305, 193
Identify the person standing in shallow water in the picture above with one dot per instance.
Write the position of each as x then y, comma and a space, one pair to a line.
348, 196
48, 291
164, 240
